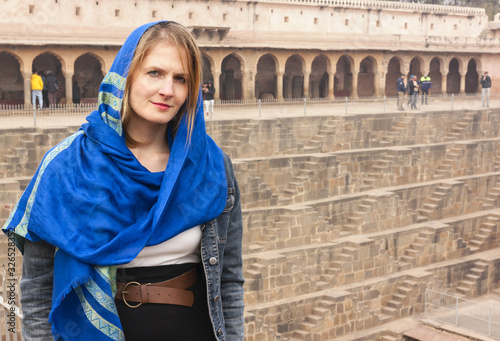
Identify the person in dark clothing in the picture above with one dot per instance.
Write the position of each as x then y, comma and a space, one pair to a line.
45, 93
76, 93
486, 86
413, 87
52, 87
401, 89
208, 99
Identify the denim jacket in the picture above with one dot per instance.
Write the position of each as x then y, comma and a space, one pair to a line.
221, 253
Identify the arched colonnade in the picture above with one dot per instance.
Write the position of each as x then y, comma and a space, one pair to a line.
249, 73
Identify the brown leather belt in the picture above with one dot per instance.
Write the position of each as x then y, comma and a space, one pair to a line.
171, 291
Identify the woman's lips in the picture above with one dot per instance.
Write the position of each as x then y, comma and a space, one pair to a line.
161, 106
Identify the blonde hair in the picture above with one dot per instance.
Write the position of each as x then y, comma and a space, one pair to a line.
178, 35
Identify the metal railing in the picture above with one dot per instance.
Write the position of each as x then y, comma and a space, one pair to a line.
10, 313
460, 312
20, 116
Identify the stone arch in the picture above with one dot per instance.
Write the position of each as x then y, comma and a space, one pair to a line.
436, 74
89, 75
342, 85
416, 67
11, 79
49, 61
266, 77
366, 76
394, 71
293, 78
472, 77
230, 80
319, 78
208, 66
453, 77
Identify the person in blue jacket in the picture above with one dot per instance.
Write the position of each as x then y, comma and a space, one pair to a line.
131, 228
401, 89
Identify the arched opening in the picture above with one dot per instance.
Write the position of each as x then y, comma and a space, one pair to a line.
293, 79
88, 75
318, 80
11, 80
391, 78
436, 76
230, 79
471, 78
415, 68
366, 77
342, 85
207, 69
50, 64
266, 78
453, 78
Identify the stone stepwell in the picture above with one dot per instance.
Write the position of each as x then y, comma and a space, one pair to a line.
347, 219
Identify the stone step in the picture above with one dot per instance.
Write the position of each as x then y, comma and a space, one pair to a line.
389, 311
394, 304
481, 265
384, 318
410, 283
404, 265
315, 320
344, 257
422, 218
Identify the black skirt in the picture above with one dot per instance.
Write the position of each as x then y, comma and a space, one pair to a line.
165, 321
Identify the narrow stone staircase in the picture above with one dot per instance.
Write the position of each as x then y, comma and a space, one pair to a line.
395, 136
453, 158
360, 220
432, 205
472, 286
399, 306
483, 237
416, 251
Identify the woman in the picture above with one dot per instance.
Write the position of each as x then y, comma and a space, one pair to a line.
133, 224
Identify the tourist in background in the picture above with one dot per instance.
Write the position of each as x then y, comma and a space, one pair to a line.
401, 89
413, 87
52, 88
76, 93
208, 99
425, 86
45, 93
36, 89
486, 86
135, 232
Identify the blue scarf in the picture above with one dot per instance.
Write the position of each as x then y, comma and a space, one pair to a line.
100, 207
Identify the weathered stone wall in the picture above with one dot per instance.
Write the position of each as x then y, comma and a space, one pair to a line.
347, 219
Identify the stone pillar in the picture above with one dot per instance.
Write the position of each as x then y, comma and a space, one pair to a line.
462, 84
307, 74
279, 85
249, 85
27, 88
68, 78
355, 74
331, 84
244, 85
444, 79
376, 83
216, 75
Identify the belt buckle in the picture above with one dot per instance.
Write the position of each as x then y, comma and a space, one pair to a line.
124, 292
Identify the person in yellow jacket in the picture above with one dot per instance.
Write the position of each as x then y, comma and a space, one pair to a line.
425, 86
36, 89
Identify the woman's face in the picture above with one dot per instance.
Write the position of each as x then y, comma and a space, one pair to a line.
160, 86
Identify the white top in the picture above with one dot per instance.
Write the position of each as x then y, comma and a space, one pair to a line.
183, 248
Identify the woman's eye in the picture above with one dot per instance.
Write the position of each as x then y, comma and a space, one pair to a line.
180, 79
153, 73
